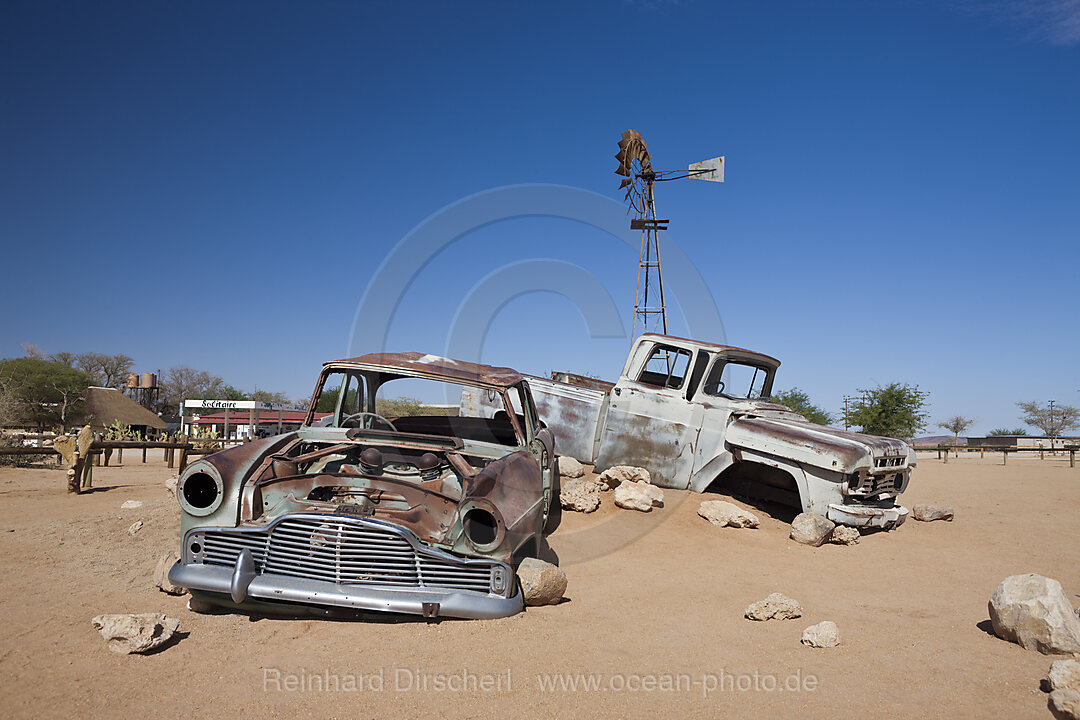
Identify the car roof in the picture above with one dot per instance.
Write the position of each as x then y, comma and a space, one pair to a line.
433, 366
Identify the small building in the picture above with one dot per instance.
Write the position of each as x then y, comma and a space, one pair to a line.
263, 426
107, 406
239, 419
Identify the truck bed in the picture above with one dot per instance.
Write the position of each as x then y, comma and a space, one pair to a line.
573, 408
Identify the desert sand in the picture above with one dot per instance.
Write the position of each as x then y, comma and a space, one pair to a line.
653, 625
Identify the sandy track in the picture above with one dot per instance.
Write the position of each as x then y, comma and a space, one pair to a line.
654, 616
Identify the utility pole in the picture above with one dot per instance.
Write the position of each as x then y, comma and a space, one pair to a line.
1051, 426
846, 400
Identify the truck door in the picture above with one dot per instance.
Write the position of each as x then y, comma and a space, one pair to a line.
650, 423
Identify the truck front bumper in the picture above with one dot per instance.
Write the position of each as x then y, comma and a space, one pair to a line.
244, 587
867, 516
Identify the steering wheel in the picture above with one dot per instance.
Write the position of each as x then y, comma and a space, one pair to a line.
357, 416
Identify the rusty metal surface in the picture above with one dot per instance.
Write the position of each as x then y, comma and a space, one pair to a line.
818, 445
435, 366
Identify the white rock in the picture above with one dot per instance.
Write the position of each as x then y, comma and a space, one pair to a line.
1064, 704
823, 635
725, 514
541, 583
128, 634
135, 527
170, 484
614, 476
844, 535
811, 529
638, 496
1063, 675
161, 574
1034, 612
774, 607
579, 495
131, 505
570, 468
203, 607
929, 513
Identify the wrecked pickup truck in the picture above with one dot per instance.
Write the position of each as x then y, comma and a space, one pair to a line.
692, 413
426, 514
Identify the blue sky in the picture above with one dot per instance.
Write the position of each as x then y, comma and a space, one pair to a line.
215, 184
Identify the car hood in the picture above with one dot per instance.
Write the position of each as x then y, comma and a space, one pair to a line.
790, 436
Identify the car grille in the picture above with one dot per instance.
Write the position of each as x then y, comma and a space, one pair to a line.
343, 552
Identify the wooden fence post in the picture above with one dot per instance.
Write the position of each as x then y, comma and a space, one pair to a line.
1004, 457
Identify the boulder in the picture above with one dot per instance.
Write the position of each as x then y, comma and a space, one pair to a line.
541, 582
579, 495
1033, 612
774, 607
844, 535
811, 529
1063, 675
128, 634
170, 484
135, 527
929, 513
131, 505
1064, 704
614, 476
823, 635
570, 468
638, 496
161, 574
725, 514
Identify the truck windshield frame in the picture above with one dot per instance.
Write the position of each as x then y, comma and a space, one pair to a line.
715, 386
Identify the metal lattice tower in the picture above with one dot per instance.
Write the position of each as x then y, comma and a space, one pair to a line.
650, 272
639, 178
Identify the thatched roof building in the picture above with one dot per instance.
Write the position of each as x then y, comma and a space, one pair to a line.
105, 406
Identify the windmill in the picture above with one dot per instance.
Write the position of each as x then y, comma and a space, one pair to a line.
639, 177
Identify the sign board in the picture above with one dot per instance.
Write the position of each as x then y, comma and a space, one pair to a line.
234, 405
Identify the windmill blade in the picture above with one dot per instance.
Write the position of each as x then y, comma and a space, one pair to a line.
711, 170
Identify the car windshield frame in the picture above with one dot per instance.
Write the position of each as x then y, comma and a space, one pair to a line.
522, 432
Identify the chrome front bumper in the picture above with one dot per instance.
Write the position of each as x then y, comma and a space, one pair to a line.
242, 583
867, 516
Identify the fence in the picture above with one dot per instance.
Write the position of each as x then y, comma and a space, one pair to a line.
944, 450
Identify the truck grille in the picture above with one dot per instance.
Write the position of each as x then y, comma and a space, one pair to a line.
868, 485
343, 552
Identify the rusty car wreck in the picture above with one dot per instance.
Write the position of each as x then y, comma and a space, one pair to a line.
426, 514
696, 416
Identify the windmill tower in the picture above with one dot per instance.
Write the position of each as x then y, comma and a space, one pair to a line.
639, 179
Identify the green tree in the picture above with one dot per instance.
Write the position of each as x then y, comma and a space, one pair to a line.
798, 401
956, 425
1052, 423
1005, 432
44, 393
894, 410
